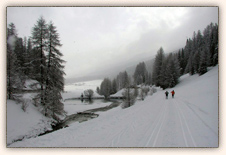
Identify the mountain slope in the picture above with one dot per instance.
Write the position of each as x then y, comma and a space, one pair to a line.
188, 120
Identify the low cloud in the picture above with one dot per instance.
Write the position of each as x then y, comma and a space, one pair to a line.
97, 39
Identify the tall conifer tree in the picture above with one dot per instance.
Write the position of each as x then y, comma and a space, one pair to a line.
39, 36
157, 68
11, 59
54, 77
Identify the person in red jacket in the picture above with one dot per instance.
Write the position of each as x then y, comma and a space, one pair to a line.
173, 92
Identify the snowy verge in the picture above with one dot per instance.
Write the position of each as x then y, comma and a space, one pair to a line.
22, 124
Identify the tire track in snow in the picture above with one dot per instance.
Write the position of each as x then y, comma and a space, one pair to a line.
186, 124
185, 103
130, 126
182, 128
123, 132
160, 127
197, 107
117, 137
160, 120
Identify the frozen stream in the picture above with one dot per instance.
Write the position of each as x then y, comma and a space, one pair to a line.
81, 116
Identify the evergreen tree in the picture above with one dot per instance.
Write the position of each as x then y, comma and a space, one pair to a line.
98, 90
16, 61
105, 88
166, 70
26, 67
163, 77
29, 71
121, 80
215, 45
140, 75
202, 50
203, 63
128, 94
126, 80
54, 77
39, 36
11, 31
174, 71
191, 60
149, 79
19, 51
11, 59
114, 86
211, 43
20, 61
188, 56
182, 62
198, 50
190, 50
157, 68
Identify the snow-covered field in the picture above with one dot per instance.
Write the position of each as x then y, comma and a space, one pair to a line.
76, 89
188, 120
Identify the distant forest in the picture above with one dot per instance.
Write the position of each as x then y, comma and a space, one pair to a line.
199, 53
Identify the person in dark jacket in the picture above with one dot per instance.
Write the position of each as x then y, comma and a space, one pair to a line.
82, 97
166, 94
173, 93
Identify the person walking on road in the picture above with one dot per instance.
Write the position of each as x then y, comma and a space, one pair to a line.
166, 94
173, 93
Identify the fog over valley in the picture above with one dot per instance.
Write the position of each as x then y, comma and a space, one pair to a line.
99, 42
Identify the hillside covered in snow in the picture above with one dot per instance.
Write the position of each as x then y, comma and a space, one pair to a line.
188, 120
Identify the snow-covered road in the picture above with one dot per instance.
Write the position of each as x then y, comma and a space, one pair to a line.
188, 120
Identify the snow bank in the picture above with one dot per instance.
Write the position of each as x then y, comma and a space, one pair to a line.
24, 124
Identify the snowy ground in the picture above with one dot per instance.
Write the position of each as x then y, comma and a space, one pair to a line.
31, 123
188, 120
24, 124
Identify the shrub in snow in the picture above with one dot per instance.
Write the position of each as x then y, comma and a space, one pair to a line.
89, 93
144, 91
154, 90
129, 97
136, 92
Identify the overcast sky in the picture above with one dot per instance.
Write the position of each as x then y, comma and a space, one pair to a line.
97, 40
